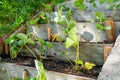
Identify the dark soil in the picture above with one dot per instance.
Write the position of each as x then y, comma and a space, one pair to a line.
55, 65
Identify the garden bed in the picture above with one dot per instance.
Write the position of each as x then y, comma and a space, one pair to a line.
51, 66
94, 54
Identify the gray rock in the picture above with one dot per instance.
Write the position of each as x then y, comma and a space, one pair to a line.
111, 68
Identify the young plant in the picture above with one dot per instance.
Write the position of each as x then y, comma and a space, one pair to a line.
100, 25
64, 20
17, 42
41, 71
44, 46
73, 40
101, 18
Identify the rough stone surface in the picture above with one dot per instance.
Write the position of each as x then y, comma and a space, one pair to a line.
87, 31
87, 53
111, 68
17, 70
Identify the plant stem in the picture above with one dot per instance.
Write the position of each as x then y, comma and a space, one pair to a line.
77, 56
8, 74
31, 51
69, 60
41, 56
97, 34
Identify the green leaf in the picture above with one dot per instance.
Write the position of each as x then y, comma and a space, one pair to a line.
41, 70
30, 41
32, 22
10, 39
94, 4
118, 7
102, 1
109, 1
107, 28
88, 65
42, 15
100, 16
69, 42
71, 24
41, 41
57, 1
21, 36
43, 49
21, 42
49, 45
80, 62
72, 34
47, 7
99, 26
80, 4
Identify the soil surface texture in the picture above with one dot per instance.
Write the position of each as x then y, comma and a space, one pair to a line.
55, 65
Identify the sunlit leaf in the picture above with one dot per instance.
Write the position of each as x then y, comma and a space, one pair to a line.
72, 34
80, 4
41, 70
89, 66
99, 26
100, 16
107, 28
80, 62
69, 42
